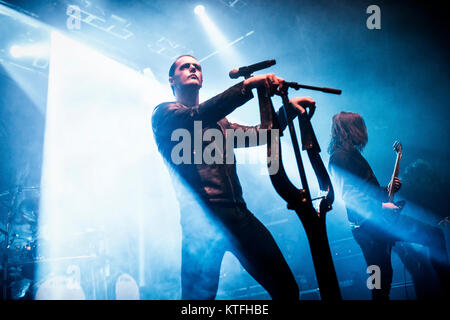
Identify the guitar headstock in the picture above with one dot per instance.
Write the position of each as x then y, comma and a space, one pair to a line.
398, 146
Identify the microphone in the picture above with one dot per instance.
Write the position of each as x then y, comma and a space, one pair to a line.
248, 70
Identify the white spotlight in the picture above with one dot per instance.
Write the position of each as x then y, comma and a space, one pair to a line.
16, 51
199, 10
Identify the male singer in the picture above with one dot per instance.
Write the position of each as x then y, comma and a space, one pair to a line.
214, 215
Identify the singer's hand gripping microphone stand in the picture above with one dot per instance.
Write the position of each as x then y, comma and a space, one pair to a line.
300, 199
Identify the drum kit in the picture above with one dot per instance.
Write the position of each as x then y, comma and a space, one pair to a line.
28, 271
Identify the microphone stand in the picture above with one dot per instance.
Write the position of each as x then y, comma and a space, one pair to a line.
300, 200
297, 86
313, 220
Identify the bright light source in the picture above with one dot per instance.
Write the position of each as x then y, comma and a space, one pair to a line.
199, 10
16, 51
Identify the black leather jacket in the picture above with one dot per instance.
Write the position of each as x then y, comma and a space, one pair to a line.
212, 183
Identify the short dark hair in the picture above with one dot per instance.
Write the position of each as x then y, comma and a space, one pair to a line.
174, 64
348, 129
172, 67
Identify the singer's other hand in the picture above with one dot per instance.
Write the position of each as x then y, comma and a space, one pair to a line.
270, 81
389, 206
302, 103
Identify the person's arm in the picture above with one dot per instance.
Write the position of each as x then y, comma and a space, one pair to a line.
243, 136
249, 136
297, 106
175, 115
358, 195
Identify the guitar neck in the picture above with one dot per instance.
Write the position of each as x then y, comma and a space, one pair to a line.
394, 175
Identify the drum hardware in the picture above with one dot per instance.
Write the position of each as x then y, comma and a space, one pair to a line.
8, 237
22, 249
126, 288
72, 277
67, 287
6, 243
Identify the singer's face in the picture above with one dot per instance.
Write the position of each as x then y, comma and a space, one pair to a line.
188, 72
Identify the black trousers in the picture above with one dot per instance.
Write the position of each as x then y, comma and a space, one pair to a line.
416, 261
376, 239
211, 233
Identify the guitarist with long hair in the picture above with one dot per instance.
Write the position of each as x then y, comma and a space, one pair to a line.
375, 221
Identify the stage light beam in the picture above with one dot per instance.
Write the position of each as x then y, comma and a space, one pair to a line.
216, 37
100, 163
